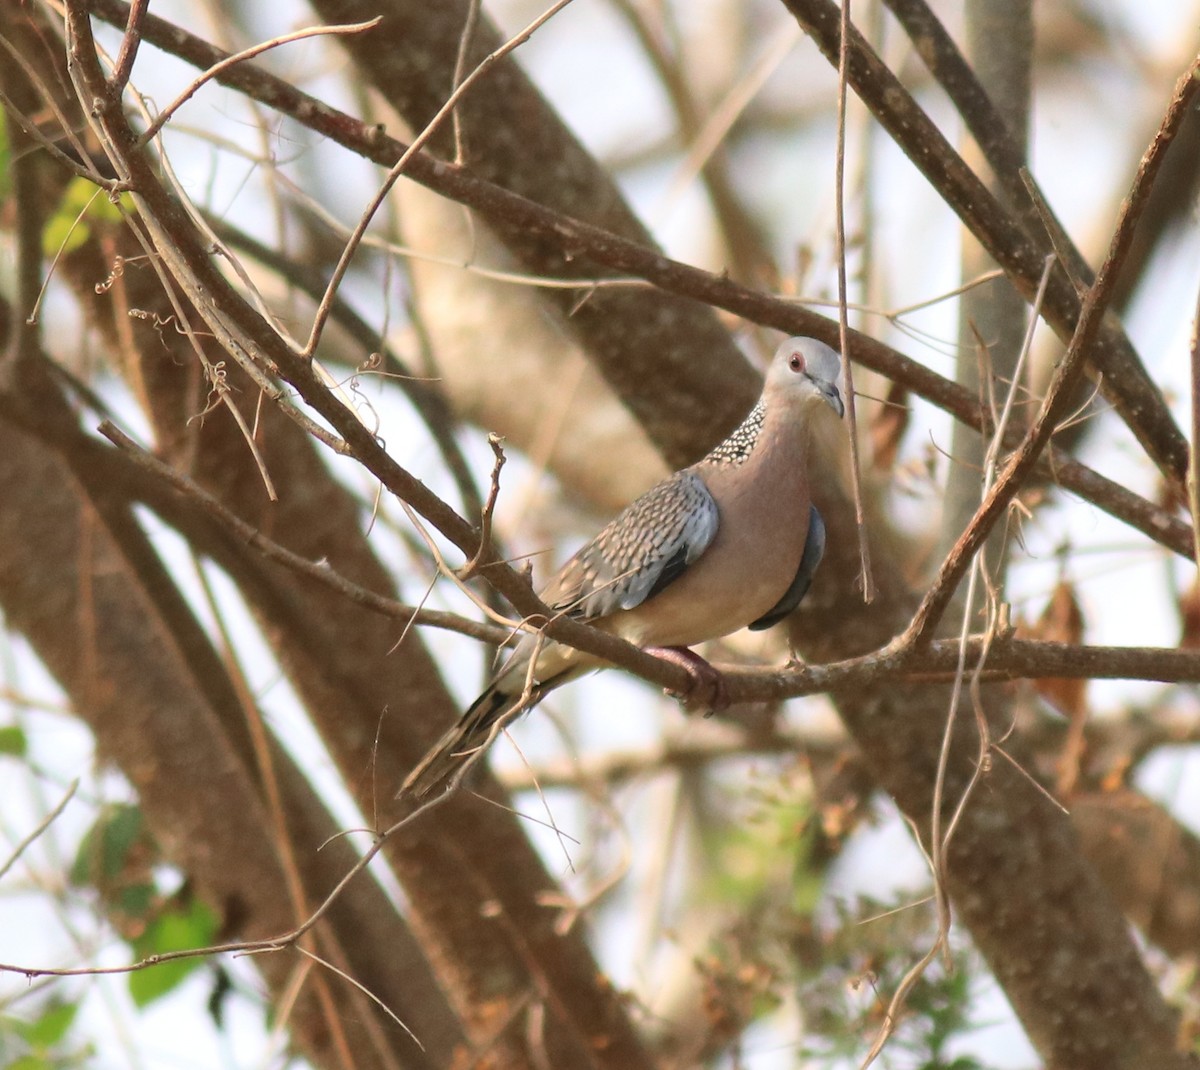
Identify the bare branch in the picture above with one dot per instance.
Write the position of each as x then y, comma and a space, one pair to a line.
132, 38
1058, 396
314, 570
1132, 392
622, 254
39, 829
215, 71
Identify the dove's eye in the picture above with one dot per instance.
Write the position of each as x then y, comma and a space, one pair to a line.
796, 362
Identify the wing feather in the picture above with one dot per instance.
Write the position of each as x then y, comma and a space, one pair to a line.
643, 550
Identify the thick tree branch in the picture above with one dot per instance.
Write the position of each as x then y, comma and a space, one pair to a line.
583, 240
140, 672
585, 1022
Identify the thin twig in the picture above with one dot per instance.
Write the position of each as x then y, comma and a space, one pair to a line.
1058, 237
485, 518
864, 549
399, 167
319, 571
132, 38
239, 947
31, 318
39, 829
346, 976
939, 841
891, 1017
460, 67
217, 69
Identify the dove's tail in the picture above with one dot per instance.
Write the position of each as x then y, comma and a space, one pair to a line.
510, 694
459, 748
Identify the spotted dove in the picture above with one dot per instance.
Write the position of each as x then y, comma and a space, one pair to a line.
730, 542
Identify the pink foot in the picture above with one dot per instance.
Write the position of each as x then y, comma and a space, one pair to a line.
706, 689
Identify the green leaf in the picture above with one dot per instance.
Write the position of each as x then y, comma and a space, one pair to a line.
135, 900
82, 203
106, 845
13, 741
175, 930
51, 1026
30, 1062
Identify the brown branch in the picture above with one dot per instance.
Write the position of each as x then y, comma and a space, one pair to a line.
1008, 658
180, 242
130, 40
1059, 396
320, 572
1000, 148
1124, 380
428, 401
583, 240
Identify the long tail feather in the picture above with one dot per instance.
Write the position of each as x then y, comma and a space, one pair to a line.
459, 748
453, 755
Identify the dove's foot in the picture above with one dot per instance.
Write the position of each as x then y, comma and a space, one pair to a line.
706, 689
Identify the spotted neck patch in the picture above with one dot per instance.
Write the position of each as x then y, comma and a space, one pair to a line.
738, 446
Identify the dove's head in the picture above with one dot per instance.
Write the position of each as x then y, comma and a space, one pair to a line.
802, 370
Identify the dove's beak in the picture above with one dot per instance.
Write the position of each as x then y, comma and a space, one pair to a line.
830, 393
